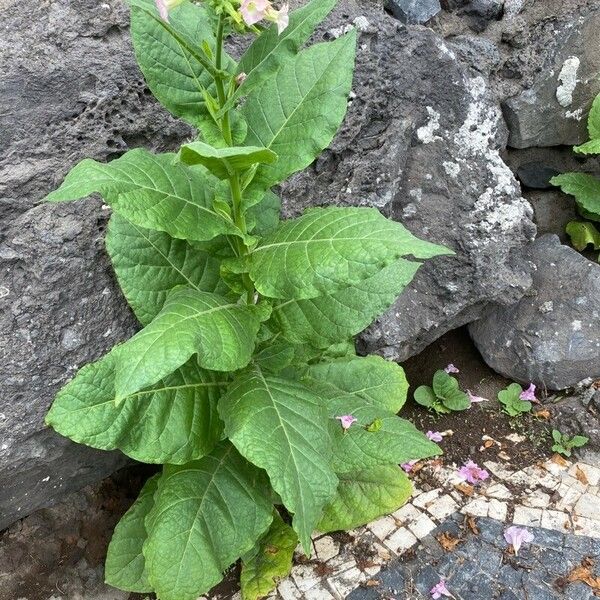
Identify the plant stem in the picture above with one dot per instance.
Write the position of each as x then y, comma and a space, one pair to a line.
225, 125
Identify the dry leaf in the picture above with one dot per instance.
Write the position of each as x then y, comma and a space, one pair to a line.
544, 413
372, 583
581, 476
559, 460
447, 541
583, 573
472, 523
489, 443
465, 488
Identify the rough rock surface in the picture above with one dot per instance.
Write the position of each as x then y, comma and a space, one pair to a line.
413, 11
70, 88
553, 111
421, 142
552, 335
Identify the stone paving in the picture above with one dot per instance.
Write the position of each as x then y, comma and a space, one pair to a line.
558, 499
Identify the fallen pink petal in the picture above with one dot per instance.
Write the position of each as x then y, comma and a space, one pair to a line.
347, 421
473, 473
451, 369
439, 590
516, 536
408, 467
474, 399
434, 436
529, 393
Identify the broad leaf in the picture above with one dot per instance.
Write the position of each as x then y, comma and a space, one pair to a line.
174, 421
591, 147
425, 396
263, 218
206, 515
585, 188
363, 496
446, 388
325, 320
510, 398
221, 333
271, 49
275, 357
377, 381
594, 119
378, 437
270, 560
328, 249
578, 441
149, 264
125, 566
298, 110
152, 191
583, 234
225, 162
281, 426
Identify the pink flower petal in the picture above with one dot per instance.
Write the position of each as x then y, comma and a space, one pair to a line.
516, 536
163, 9
254, 10
283, 18
408, 467
475, 399
439, 590
473, 473
451, 369
434, 436
347, 421
529, 393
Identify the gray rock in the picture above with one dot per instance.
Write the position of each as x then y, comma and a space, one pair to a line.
488, 9
70, 88
479, 53
413, 11
536, 175
554, 110
421, 142
552, 335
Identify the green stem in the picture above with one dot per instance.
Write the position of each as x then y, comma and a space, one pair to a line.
225, 125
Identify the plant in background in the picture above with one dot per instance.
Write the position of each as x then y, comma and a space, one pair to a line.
243, 381
444, 396
585, 188
515, 401
563, 444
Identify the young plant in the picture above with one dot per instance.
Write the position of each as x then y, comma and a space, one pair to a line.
444, 396
585, 188
512, 402
243, 381
563, 444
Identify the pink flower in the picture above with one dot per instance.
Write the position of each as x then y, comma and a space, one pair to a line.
347, 421
515, 536
282, 18
474, 399
473, 473
439, 590
451, 369
164, 6
254, 10
408, 467
434, 436
529, 393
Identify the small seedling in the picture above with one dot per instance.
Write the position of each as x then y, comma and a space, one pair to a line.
445, 396
564, 443
511, 401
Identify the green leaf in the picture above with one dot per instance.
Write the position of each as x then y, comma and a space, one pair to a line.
392, 441
263, 218
446, 388
206, 515
579, 440
325, 320
376, 380
585, 188
225, 162
281, 426
275, 357
510, 398
424, 396
561, 450
152, 191
222, 334
582, 234
591, 147
594, 119
297, 111
149, 264
125, 567
556, 434
270, 560
271, 49
364, 496
174, 421
328, 249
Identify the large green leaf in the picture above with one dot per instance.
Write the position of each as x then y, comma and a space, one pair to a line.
222, 334
263, 218
378, 437
225, 162
585, 188
378, 381
174, 421
125, 566
298, 110
206, 515
152, 191
325, 320
281, 426
328, 249
447, 389
271, 49
363, 496
268, 561
591, 147
149, 264
583, 234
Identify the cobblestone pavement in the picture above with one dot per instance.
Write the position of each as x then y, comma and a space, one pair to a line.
557, 500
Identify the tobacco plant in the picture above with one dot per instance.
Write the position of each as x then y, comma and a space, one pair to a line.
243, 382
